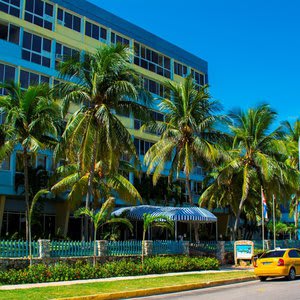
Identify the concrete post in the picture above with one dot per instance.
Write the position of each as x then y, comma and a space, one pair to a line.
186, 247
148, 247
221, 251
101, 248
44, 248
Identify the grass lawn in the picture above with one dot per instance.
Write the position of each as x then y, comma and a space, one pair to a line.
117, 286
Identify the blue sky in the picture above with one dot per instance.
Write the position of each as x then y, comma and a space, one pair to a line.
252, 46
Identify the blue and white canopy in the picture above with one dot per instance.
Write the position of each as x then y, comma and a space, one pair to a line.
182, 214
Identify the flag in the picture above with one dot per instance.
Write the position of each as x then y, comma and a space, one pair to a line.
264, 205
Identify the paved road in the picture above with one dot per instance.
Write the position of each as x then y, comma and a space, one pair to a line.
272, 289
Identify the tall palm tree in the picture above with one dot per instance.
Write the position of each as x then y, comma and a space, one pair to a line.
257, 157
33, 118
102, 83
292, 138
188, 134
102, 217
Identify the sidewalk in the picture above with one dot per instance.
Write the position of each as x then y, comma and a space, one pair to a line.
73, 282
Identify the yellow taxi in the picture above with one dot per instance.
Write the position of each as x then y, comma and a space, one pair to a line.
278, 262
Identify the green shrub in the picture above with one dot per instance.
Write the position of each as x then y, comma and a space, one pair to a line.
123, 267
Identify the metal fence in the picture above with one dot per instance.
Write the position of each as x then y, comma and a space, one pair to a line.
70, 248
167, 247
18, 249
115, 248
204, 247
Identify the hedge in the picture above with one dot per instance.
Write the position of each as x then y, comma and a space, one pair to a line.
124, 267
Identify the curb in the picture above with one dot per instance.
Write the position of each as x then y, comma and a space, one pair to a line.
157, 291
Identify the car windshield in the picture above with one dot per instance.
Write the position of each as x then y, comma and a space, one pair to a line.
277, 253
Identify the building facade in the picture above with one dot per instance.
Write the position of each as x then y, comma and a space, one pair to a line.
36, 35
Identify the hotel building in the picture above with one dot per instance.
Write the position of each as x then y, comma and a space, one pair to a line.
35, 36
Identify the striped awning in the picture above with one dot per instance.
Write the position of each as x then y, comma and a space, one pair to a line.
183, 214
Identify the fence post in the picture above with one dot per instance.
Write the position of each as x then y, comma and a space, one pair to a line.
221, 251
44, 248
186, 247
148, 247
101, 248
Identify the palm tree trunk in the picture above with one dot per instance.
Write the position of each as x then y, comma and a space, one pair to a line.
29, 241
188, 187
143, 246
237, 219
296, 218
90, 189
26, 188
95, 254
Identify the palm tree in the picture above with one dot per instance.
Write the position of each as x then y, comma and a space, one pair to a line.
105, 184
257, 158
33, 118
154, 221
103, 216
103, 83
34, 201
292, 138
188, 134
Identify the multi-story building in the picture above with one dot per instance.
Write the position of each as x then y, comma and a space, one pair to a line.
34, 36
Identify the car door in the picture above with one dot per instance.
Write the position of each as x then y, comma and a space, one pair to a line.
297, 262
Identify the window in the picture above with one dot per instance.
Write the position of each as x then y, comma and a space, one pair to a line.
7, 74
152, 60
30, 78
96, 32
156, 116
68, 20
11, 7
36, 49
180, 69
155, 87
275, 253
116, 38
41, 161
9, 33
197, 187
20, 163
142, 146
63, 52
199, 78
39, 13
5, 164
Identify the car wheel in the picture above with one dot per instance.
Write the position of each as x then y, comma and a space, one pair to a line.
292, 274
262, 278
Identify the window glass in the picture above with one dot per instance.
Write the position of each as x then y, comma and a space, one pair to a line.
9, 32
30, 78
41, 161
63, 53
5, 164
116, 38
11, 7
94, 31
7, 74
152, 60
276, 253
69, 20
293, 253
38, 49
39, 13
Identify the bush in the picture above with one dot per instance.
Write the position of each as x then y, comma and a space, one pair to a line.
124, 267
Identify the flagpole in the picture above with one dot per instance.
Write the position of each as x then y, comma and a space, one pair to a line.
262, 220
274, 220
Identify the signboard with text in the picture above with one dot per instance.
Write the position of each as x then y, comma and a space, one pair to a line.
243, 250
